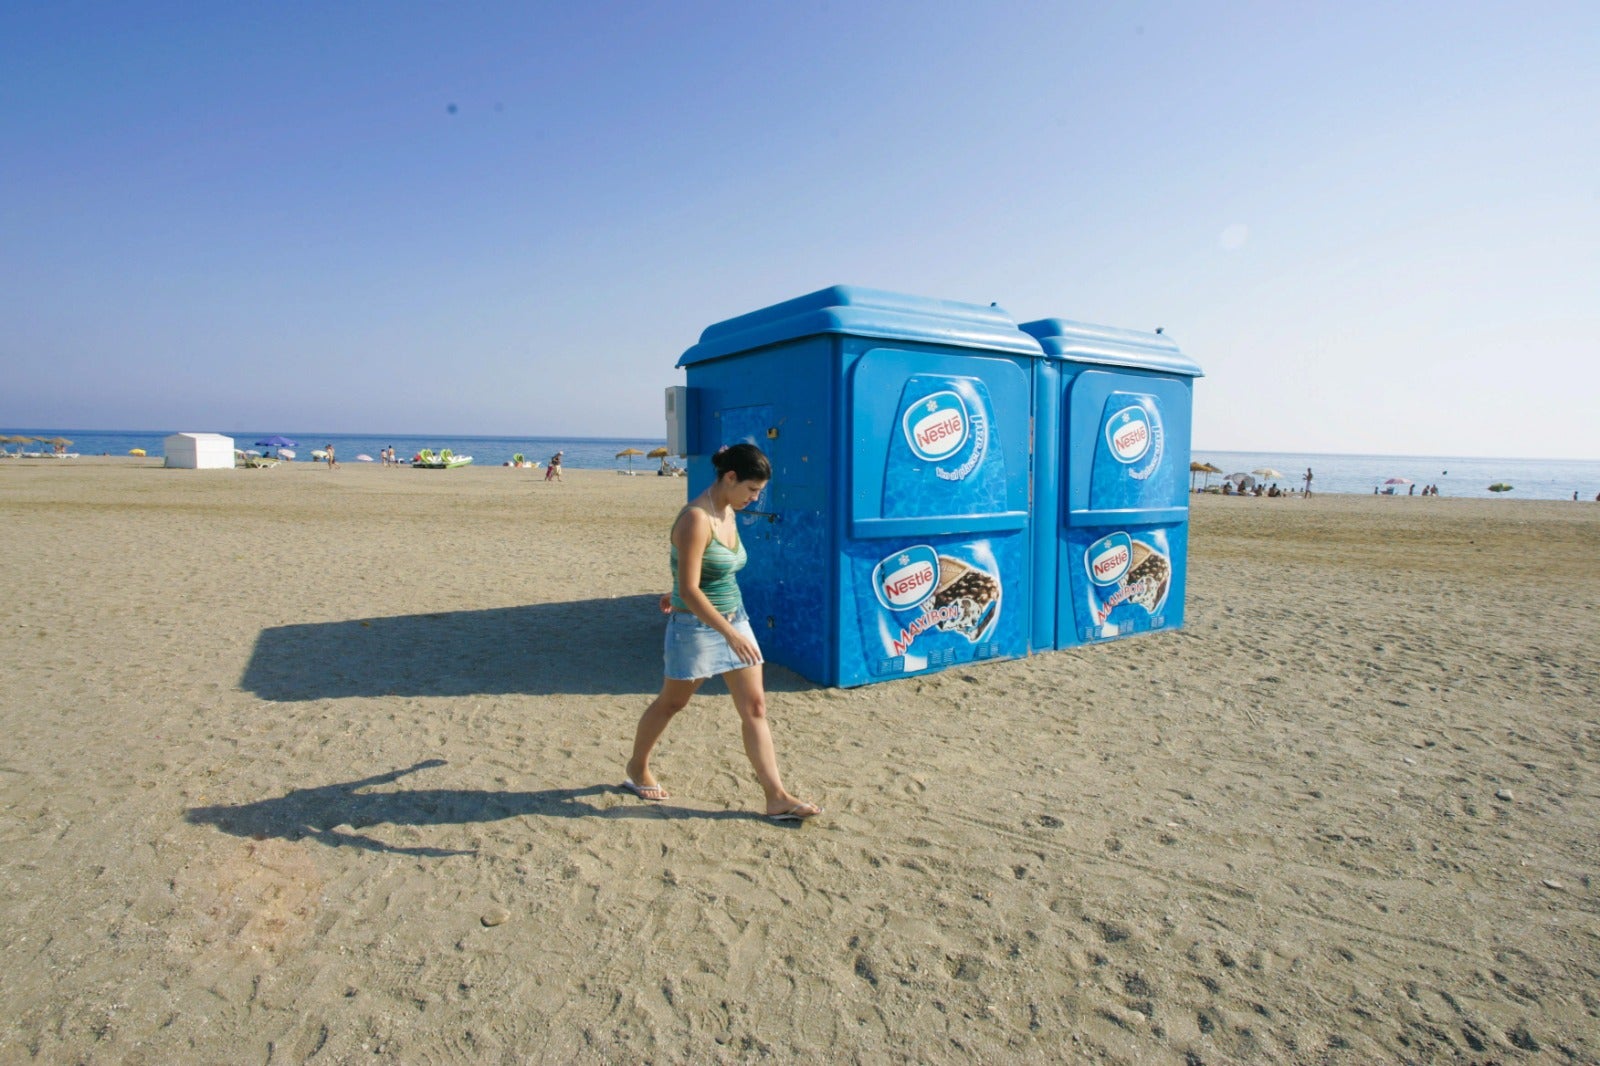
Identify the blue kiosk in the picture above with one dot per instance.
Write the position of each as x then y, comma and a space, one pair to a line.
1112, 424
897, 535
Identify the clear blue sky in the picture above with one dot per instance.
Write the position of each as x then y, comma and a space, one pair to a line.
1376, 226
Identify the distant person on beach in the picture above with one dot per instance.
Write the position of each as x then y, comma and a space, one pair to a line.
709, 634
552, 469
332, 462
1308, 481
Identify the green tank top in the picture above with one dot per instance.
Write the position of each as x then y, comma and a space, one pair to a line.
717, 569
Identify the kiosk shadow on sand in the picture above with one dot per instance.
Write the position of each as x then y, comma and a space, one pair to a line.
334, 814
600, 646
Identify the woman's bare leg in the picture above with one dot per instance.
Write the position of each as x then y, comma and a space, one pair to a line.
673, 697
750, 699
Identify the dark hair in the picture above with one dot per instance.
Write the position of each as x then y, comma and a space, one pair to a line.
746, 461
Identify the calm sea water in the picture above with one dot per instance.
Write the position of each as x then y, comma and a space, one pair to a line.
1531, 479
590, 453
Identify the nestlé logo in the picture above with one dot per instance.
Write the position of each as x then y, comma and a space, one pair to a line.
1108, 558
1129, 434
936, 425
906, 578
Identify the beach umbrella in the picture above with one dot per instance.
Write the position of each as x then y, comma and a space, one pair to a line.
1266, 471
629, 453
135, 451
1202, 468
364, 458
278, 442
657, 453
18, 440
1499, 486
1398, 481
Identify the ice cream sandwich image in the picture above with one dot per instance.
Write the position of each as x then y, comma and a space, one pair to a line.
1151, 567
974, 593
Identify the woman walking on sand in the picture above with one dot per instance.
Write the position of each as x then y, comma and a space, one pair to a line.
708, 632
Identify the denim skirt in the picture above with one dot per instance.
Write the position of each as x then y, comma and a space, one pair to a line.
695, 651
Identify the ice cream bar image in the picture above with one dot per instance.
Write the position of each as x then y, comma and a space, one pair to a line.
975, 593
1148, 565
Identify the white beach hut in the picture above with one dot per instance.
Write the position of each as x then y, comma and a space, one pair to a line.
199, 451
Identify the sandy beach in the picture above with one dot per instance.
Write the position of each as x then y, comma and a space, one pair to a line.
322, 766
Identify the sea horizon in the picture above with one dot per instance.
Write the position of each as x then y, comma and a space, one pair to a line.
1196, 450
1406, 475
1334, 472
579, 452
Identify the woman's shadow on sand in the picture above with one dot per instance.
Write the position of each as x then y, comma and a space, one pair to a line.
606, 647
334, 814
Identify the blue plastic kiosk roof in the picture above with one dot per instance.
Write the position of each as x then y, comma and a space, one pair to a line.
1080, 342
865, 313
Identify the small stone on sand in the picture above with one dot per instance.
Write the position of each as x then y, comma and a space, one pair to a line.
495, 916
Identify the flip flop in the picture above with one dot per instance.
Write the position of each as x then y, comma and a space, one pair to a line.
798, 813
649, 793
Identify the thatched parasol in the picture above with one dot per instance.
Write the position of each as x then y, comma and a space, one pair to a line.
1202, 468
